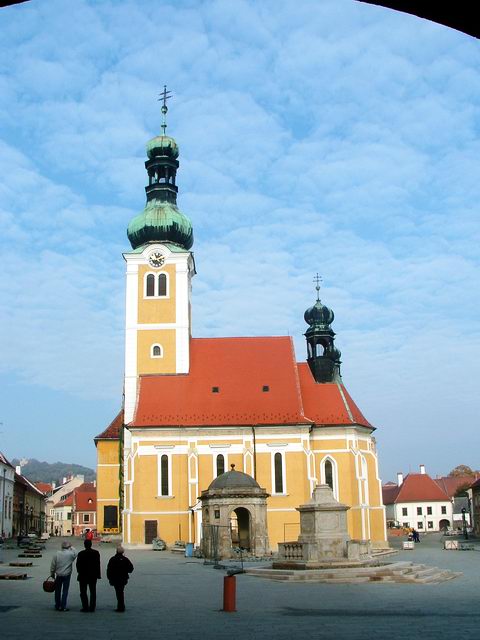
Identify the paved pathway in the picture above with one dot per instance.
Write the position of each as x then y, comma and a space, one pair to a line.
175, 597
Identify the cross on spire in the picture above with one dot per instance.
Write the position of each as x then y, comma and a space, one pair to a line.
163, 97
317, 279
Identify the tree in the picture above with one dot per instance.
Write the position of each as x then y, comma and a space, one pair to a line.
461, 470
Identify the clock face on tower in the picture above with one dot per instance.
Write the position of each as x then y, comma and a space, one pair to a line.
156, 259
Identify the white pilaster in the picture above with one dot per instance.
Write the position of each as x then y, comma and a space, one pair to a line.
182, 311
131, 321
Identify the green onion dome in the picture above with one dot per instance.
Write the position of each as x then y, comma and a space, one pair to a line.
162, 146
319, 314
160, 221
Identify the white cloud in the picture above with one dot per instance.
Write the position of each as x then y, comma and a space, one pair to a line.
332, 137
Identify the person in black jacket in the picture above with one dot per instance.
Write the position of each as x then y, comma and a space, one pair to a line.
88, 568
118, 569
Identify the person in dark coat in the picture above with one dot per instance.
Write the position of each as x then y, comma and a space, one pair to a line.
118, 569
88, 568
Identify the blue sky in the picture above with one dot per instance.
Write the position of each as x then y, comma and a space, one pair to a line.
325, 136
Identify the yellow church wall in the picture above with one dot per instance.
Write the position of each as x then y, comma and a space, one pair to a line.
145, 340
145, 486
323, 445
283, 526
156, 310
107, 478
170, 527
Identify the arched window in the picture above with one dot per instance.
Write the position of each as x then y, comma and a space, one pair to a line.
329, 473
220, 464
156, 351
150, 288
278, 472
164, 475
162, 284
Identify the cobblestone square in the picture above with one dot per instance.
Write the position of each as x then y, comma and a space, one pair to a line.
170, 596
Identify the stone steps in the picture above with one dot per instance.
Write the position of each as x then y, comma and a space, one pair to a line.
399, 572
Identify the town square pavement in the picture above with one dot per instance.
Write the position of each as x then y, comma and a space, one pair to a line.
175, 597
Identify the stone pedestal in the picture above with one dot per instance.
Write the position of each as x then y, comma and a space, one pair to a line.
323, 530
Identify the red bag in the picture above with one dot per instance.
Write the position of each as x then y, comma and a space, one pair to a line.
49, 584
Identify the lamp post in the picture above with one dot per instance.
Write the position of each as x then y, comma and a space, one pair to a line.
464, 524
3, 502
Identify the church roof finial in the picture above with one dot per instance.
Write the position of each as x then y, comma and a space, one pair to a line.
317, 279
163, 97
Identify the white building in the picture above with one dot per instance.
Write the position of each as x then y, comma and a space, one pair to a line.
7, 481
417, 502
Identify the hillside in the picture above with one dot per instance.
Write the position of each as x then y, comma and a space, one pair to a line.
37, 471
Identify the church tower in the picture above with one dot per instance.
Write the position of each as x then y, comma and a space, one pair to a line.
322, 356
159, 272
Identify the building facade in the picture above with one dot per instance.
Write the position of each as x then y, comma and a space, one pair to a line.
194, 406
417, 502
28, 507
7, 482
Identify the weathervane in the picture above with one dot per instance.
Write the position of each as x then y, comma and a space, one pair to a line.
317, 279
164, 96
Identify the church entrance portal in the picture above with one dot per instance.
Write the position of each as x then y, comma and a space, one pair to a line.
240, 528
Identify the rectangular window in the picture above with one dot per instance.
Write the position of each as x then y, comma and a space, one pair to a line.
69, 516
86, 517
419, 511
404, 511
278, 472
444, 510
419, 525
405, 525
429, 511
430, 524
164, 488
110, 517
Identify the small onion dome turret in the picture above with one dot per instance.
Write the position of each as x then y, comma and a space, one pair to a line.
234, 480
162, 146
319, 314
333, 353
160, 222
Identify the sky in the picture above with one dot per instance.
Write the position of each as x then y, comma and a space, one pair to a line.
322, 136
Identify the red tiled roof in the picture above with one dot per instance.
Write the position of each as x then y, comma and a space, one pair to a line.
475, 484
112, 432
68, 502
329, 403
86, 486
82, 500
43, 486
451, 484
416, 487
239, 368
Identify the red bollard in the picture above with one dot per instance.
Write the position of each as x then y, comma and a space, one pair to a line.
229, 593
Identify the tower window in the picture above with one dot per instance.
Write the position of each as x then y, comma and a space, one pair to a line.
162, 284
265, 388
220, 464
150, 289
278, 472
156, 285
156, 351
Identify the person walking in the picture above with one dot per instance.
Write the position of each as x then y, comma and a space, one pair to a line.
61, 570
88, 569
118, 569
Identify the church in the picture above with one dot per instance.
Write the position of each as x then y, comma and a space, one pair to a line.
193, 407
